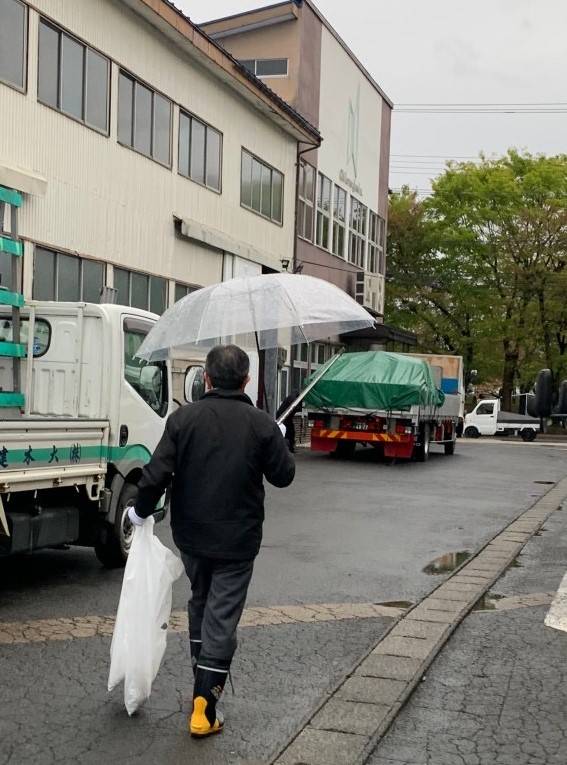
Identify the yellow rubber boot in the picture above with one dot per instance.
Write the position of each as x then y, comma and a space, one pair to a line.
199, 724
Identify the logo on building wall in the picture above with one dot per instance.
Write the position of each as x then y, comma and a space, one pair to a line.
353, 132
350, 175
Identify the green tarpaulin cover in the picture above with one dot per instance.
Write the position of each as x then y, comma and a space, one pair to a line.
376, 380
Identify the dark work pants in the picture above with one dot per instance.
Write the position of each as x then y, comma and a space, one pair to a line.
290, 434
218, 595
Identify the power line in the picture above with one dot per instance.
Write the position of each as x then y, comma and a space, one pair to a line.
437, 156
491, 111
492, 103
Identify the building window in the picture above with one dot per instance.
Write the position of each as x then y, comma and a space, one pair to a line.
144, 119
339, 221
357, 236
181, 290
319, 353
200, 152
13, 43
73, 78
323, 211
140, 290
383, 236
376, 260
57, 276
305, 201
261, 188
266, 67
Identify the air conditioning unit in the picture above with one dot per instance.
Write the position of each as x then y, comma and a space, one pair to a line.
374, 292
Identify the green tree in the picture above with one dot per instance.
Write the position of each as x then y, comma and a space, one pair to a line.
430, 291
490, 248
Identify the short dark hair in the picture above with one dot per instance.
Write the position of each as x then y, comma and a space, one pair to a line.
227, 366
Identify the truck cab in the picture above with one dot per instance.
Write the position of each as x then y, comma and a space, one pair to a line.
488, 419
90, 417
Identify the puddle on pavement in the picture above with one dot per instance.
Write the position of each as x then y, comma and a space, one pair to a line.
446, 563
488, 602
405, 604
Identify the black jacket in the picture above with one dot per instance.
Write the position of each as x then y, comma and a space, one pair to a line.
217, 450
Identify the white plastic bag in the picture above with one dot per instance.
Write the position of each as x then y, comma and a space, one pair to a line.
140, 632
557, 614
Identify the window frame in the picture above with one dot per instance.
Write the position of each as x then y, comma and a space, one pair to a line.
338, 223
25, 68
303, 202
57, 254
38, 320
272, 169
60, 30
358, 234
320, 212
135, 79
373, 250
192, 116
190, 288
133, 272
266, 76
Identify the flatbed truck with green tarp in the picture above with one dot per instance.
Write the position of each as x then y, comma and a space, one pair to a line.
75, 437
400, 404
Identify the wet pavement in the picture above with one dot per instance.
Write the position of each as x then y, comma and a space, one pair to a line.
357, 532
497, 694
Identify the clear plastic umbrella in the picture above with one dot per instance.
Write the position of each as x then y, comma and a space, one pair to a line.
258, 311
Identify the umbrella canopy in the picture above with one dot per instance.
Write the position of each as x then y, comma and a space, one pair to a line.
263, 311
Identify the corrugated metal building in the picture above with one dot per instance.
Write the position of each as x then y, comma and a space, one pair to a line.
150, 159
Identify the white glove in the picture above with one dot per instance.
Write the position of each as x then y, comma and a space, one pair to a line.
281, 426
134, 517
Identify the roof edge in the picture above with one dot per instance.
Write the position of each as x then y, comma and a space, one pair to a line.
248, 13
232, 68
311, 5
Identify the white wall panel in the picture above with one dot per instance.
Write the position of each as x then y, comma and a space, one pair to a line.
350, 109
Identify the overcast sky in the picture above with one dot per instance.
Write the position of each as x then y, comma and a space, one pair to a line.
451, 51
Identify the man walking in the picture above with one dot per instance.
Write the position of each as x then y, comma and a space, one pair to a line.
217, 451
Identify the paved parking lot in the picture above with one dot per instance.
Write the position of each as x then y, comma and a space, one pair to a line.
345, 536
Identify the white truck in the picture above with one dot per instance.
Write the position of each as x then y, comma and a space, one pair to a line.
487, 419
89, 415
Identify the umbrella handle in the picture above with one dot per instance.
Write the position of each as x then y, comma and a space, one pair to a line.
311, 385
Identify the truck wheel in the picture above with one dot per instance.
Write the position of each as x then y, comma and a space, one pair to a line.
422, 449
114, 542
471, 432
450, 447
528, 434
345, 450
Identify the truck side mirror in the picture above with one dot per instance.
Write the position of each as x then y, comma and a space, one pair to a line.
194, 383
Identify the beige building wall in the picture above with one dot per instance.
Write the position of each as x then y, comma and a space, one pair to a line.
280, 41
106, 201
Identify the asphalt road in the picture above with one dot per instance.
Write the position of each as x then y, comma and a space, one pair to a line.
345, 532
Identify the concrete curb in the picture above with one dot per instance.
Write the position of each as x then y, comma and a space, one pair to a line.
348, 724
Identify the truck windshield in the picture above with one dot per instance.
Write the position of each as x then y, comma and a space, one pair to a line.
148, 379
